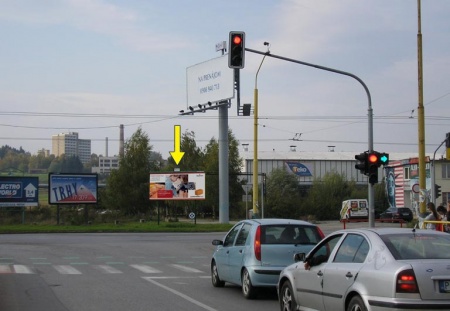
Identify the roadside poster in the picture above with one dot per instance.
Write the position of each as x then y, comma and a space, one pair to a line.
19, 191
177, 186
72, 188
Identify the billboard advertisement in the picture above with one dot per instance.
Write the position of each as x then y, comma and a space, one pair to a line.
177, 186
210, 81
19, 191
72, 188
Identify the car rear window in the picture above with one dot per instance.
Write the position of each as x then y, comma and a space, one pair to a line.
418, 246
289, 234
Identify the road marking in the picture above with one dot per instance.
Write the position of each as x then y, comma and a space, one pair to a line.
186, 269
5, 269
64, 269
196, 302
146, 269
107, 269
21, 269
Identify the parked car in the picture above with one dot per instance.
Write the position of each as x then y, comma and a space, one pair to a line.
396, 213
253, 253
370, 269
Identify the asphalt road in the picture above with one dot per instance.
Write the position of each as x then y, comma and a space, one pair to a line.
151, 271
82, 272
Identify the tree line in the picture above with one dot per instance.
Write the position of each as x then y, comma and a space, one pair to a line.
126, 189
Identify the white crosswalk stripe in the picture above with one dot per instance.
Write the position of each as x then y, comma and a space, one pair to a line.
21, 269
105, 269
146, 269
186, 268
65, 269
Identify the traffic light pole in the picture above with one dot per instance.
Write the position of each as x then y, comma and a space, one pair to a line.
371, 191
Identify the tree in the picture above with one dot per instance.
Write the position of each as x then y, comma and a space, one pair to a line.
283, 199
127, 188
326, 196
211, 167
193, 155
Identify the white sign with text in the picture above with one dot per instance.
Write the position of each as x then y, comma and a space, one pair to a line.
210, 81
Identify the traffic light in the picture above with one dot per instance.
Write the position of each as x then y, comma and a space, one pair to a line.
373, 159
236, 51
383, 159
362, 162
437, 191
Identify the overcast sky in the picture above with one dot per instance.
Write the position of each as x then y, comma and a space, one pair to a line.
88, 66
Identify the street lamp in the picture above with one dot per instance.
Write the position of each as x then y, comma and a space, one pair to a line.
255, 138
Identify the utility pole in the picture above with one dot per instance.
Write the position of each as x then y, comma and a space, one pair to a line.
421, 119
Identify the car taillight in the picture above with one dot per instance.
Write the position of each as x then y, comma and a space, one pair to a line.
257, 243
406, 282
320, 233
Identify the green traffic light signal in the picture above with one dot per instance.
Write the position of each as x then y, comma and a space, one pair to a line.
384, 159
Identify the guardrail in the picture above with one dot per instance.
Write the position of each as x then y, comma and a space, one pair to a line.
439, 224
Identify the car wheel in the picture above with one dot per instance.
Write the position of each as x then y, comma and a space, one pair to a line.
248, 289
356, 304
215, 279
287, 300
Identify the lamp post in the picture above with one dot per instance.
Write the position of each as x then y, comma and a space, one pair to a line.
255, 139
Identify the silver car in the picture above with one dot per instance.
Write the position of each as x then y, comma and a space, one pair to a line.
371, 269
253, 253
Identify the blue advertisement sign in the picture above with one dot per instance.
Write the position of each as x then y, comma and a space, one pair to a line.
19, 191
298, 168
72, 189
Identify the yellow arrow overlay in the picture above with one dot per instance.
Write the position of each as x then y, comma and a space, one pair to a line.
176, 154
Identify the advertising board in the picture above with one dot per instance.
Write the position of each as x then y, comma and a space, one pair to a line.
19, 191
177, 186
210, 81
72, 188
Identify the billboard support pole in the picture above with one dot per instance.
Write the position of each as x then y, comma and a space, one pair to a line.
223, 165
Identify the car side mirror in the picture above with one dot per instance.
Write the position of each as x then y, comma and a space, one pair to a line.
299, 257
217, 242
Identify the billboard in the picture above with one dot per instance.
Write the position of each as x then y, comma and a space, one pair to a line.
177, 186
210, 81
19, 191
72, 188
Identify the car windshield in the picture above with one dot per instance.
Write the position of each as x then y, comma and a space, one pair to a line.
418, 246
289, 234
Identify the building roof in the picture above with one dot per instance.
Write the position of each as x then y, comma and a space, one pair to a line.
319, 156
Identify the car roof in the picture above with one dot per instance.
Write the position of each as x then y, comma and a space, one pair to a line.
280, 221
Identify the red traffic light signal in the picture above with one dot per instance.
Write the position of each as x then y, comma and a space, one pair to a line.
373, 158
236, 49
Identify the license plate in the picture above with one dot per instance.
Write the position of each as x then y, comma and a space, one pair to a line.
444, 286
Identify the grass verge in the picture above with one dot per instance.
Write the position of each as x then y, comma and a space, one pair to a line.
150, 226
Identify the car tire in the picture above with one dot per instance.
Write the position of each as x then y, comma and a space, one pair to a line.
356, 304
215, 279
248, 289
287, 299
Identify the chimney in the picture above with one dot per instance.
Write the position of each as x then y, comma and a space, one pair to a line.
121, 142
106, 146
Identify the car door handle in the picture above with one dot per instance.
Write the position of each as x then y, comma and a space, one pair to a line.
349, 275
240, 251
320, 273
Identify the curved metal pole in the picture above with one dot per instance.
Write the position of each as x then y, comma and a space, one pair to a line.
255, 142
371, 192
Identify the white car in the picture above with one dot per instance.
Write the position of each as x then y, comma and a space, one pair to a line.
370, 269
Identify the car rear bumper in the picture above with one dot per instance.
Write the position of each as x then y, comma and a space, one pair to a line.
407, 304
264, 276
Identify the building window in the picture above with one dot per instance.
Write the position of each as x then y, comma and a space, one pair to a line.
445, 171
406, 173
